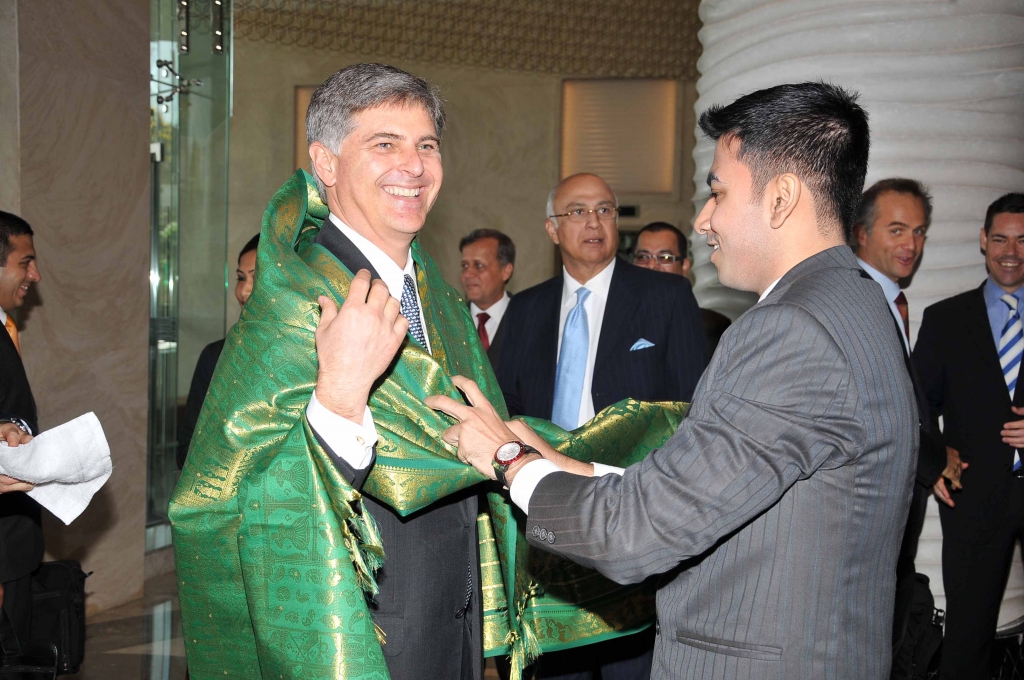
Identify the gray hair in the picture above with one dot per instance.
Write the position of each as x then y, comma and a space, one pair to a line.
551, 198
360, 87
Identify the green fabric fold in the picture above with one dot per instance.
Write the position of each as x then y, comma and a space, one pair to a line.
274, 554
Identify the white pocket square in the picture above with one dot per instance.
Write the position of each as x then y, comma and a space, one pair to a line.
642, 343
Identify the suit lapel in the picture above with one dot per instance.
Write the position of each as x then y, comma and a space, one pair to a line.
549, 309
341, 246
980, 332
621, 298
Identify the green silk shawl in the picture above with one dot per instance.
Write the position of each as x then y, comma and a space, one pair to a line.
274, 555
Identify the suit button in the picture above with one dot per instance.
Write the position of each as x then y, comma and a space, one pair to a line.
543, 534
536, 530
551, 537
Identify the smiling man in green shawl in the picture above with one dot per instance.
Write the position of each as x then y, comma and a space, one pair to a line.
322, 526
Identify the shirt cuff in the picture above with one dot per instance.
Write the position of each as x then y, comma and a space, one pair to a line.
352, 442
527, 479
602, 470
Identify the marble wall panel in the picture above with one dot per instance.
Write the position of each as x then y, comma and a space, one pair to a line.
10, 143
85, 189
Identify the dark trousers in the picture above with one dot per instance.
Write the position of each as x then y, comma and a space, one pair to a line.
626, 658
974, 577
912, 533
18, 605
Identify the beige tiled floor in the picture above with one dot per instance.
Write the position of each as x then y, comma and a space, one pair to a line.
142, 639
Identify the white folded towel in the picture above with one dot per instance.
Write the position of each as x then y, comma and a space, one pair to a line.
68, 464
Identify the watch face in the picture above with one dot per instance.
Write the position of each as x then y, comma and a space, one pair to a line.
508, 452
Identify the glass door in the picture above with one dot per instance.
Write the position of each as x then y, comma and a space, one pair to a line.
190, 105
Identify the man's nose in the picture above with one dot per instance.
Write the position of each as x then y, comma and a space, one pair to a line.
703, 221
411, 163
33, 272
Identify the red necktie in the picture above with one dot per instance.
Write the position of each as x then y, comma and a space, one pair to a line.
904, 308
481, 329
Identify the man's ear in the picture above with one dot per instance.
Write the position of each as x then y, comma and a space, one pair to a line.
784, 193
506, 272
687, 265
860, 235
984, 240
324, 163
552, 228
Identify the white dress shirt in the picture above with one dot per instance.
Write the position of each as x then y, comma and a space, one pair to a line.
594, 304
3, 317
769, 289
352, 441
891, 290
495, 311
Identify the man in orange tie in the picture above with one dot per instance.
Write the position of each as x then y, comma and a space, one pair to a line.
488, 260
21, 535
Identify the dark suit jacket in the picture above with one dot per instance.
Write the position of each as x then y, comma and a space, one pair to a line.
196, 396
777, 507
957, 363
21, 532
431, 558
494, 349
646, 304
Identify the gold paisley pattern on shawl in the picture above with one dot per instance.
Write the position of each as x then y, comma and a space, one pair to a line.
273, 552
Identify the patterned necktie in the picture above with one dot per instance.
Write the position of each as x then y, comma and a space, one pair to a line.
904, 310
481, 329
12, 330
411, 311
572, 365
1011, 344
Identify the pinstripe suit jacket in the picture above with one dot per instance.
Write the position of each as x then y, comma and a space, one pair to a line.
777, 508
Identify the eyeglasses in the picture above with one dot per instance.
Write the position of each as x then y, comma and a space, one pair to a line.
661, 258
603, 213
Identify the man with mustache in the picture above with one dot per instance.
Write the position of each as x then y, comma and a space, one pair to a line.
600, 332
968, 357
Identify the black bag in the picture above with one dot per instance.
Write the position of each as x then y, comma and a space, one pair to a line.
28, 660
58, 611
917, 630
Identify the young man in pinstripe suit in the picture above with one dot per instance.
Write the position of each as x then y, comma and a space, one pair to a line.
777, 508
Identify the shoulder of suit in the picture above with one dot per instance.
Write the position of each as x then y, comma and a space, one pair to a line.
651, 279
807, 288
956, 304
538, 291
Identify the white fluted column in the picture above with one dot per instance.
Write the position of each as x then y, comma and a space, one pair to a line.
943, 84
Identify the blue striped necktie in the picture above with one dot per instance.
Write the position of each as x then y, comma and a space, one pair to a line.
572, 365
411, 311
1011, 345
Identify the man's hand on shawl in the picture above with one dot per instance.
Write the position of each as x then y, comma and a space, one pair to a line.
356, 344
481, 432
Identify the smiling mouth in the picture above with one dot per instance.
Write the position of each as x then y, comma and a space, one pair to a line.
1009, 265
403, 192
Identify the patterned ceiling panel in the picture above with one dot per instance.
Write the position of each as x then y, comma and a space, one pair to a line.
589, 38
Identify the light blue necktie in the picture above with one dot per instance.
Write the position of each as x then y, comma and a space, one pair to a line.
1011, 345
411, 311
572, 365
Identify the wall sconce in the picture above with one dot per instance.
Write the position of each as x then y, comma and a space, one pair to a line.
183, 14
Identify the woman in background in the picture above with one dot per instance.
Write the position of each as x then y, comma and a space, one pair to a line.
246, 274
